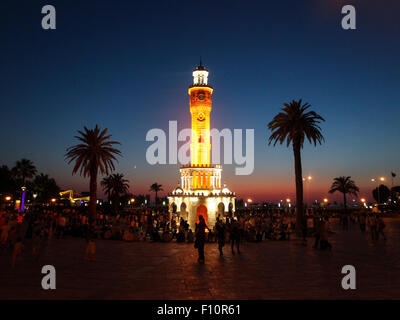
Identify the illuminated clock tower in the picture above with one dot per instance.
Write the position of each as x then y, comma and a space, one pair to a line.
200, 108
201, 191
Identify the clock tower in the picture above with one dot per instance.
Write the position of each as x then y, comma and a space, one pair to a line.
201, 191
200, 108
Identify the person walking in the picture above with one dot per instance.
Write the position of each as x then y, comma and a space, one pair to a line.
200, 238
380, 226
235, 236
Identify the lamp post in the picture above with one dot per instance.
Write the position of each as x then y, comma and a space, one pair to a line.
363, 202
377, 188
22, 199
308, 180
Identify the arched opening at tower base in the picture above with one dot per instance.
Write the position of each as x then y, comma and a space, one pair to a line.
202, 210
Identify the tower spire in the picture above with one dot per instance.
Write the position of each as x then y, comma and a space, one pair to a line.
201, 64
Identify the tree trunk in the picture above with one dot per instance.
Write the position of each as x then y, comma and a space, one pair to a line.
345, 203
156, 198
93, 194
299, 186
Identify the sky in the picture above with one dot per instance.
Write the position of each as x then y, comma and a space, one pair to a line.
126, 65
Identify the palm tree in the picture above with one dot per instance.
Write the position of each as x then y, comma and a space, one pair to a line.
24, 169
346, 186
114, 186
156, 188
92, 156
292, 126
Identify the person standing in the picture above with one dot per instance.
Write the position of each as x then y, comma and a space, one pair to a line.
200, 238
91, 245
345, 221
324, 243
220, 235
372, 227
17, 250
361, 221
318, 228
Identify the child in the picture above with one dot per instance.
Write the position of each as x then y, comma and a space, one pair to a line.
91, 246
36, 242
17, 250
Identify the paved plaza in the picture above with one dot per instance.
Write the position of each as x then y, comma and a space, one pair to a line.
267, 270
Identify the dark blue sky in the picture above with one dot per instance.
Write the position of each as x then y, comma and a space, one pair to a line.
126, 65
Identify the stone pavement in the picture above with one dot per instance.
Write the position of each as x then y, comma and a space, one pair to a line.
267, 270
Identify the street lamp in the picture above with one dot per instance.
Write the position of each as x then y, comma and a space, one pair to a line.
325, 200
309, 178
23, 198
8, 198
377, 188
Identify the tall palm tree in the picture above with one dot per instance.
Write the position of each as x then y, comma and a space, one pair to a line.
92, 156
156, 188
115, 186
346, 186
24, 169
292, 126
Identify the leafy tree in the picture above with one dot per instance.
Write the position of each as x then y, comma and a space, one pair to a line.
45, 188
7, 183
381, 194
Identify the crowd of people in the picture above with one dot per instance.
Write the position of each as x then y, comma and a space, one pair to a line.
39, 225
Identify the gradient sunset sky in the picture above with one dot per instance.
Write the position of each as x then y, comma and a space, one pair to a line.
126, 65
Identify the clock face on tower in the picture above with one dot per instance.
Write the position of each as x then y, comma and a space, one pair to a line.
201, 96
201, 116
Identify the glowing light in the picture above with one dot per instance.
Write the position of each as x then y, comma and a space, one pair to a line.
23, 199
287, 200
132, 200
382, 178
362, 200
249, 200
8, 198
325, 200
309, 177
53, 200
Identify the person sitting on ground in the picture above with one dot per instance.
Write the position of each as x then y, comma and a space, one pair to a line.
190, 236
